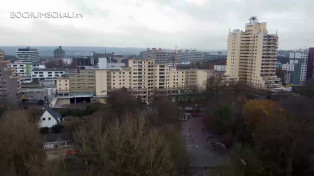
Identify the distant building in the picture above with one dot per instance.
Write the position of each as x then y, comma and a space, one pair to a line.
190, 56
252, 56
59, 53
158, 55
296, 70
1, 54
220, 69
278, 64
67, 61
96, 56
83, 61
27, 55
104, 64
49, 118
10, 84
310, 64
111, 58
214, 55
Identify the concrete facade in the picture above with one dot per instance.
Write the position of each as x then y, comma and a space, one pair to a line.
158, 55
144, 78
63, 86
296, 70
83, 81
59, 53
190, 55
27, 55
47, 73
252, 56
10, 84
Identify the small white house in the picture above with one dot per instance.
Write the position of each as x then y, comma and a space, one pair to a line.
49, 118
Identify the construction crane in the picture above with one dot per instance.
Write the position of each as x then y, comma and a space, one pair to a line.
175, 57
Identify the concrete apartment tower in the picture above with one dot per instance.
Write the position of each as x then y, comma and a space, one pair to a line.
252, 56
10, 83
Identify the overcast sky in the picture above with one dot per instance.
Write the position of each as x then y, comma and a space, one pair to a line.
201, 24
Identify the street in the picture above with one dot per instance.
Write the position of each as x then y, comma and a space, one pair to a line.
203, 150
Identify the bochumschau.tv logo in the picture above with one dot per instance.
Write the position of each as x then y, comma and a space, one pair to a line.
45, 15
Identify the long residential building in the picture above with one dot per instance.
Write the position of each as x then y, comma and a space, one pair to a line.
190, 56
144, 78
252, 56
159, 55
24, 70
47, 73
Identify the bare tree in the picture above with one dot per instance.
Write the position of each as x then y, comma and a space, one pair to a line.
21, 148
215, 84
124, 148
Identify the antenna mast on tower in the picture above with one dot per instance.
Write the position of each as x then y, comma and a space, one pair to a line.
253, 19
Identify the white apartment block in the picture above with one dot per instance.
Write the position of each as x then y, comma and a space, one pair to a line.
24, 70
252, 56
47, 73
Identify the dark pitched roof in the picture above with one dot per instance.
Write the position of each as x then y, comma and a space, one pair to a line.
54, 114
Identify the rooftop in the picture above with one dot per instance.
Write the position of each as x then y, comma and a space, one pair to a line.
49, 69
27, 49
54, 114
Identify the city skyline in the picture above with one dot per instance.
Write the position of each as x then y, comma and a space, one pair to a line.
188, 24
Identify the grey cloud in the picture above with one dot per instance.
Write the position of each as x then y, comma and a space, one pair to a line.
292, 19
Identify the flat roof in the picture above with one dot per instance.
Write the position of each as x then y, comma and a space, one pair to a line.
49, 69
